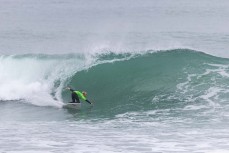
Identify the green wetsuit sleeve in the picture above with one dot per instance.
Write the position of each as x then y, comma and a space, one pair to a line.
81, 96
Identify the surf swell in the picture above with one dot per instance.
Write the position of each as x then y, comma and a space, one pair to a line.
119, 83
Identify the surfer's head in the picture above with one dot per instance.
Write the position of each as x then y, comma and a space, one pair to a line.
84, 93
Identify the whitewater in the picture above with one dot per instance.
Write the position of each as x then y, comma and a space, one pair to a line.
156, 71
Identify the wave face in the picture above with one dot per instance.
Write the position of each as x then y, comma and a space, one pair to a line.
162, 80
118, 83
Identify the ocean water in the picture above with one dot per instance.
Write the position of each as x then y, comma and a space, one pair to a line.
156, 71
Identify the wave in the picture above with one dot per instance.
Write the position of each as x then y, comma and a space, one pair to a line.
38, 79
155, 81
118, 83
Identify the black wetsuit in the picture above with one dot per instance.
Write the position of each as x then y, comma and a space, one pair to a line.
75, 98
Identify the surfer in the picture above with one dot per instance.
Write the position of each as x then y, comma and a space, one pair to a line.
77, 95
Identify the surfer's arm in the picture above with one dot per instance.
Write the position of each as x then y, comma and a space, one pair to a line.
68, 88
88, 101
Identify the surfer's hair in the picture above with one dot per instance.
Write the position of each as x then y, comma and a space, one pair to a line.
84, 93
